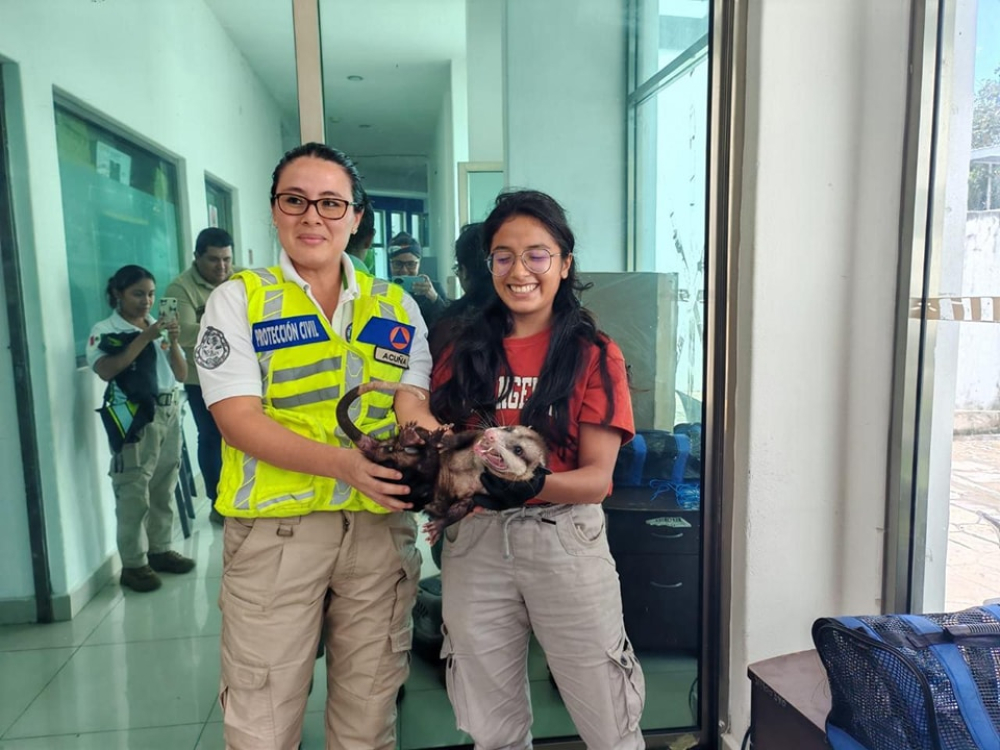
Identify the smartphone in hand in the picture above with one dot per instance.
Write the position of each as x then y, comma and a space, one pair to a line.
406, 282
168, 310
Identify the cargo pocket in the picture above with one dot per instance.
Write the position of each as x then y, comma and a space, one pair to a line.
125, 461
628, 687
250, 574
455, 683
401, 625
245, 698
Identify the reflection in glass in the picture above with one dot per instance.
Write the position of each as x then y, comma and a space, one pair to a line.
472, 87
119, 207
961, 556
219, 201
668, 31
670, 135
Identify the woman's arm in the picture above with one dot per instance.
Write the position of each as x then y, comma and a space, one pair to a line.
409, 408
178, 362
244, 425
110, 366
590, 481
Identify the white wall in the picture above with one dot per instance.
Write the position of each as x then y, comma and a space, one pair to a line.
826, 86
564, 108
169, 73
484, 56
441, 178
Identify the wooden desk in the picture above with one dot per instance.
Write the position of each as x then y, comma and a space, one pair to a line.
789, 701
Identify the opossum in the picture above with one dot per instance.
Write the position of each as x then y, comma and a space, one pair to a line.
443, 469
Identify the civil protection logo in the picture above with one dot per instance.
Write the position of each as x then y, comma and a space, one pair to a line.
399, 338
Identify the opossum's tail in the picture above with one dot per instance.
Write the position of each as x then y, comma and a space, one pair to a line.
343, 417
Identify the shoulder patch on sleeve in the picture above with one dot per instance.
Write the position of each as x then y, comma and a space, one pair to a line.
212, 350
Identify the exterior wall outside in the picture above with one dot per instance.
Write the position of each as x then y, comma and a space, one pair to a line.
168, 74
825, 109
978, 388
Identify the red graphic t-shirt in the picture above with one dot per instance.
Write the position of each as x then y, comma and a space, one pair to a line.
587, 402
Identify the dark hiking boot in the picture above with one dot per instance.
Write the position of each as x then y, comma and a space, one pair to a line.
140, 579
169, 562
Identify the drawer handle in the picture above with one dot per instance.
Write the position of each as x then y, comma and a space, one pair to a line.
656, 585
678, 535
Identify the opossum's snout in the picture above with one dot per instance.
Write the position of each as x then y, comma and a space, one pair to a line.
503, 452
488, 448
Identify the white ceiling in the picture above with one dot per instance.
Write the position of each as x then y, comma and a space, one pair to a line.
401, 48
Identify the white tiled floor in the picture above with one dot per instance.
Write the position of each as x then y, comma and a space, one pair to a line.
140, 672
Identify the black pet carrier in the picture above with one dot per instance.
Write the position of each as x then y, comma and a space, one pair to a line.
913, 682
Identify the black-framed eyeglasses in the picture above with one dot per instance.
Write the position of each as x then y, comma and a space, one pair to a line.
296, 205
409, 265
535, 260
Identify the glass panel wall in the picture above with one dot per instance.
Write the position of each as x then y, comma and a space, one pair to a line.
954, 549
451, 108
413, 90
119, 207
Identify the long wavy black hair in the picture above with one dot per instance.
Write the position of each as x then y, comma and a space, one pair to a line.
477, 357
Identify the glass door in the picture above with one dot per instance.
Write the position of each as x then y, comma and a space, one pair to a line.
954, 559
482, 96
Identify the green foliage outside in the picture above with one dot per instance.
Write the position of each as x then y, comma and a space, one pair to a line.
985, 133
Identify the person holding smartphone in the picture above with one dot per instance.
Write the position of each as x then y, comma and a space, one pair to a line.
404, 269
140, 356
213, 265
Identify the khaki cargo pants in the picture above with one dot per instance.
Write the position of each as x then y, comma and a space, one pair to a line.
276, 572
545, 569
144, 476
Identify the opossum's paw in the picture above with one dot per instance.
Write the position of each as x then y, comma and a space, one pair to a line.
433, 530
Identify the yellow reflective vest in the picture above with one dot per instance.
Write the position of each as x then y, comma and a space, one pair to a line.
305, 368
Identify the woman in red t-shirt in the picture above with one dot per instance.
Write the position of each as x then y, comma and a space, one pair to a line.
535, 357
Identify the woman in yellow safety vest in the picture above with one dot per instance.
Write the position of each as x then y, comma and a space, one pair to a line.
306, 513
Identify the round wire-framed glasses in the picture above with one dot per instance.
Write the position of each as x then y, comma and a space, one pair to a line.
535, 260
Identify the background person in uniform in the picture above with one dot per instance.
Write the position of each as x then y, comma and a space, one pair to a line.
213, 264
359, 247
306, 512
477, 287
535, 357
404, 260
129, 347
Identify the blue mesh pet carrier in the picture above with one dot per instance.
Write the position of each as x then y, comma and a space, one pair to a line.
913, 682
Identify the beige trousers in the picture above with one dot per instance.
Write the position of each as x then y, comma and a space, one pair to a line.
275, 575
143, 476
545, 570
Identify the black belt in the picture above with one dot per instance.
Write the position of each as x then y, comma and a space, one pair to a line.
166, 399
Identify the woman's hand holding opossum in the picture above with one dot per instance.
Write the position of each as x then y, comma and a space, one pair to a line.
380, 483
503, 494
